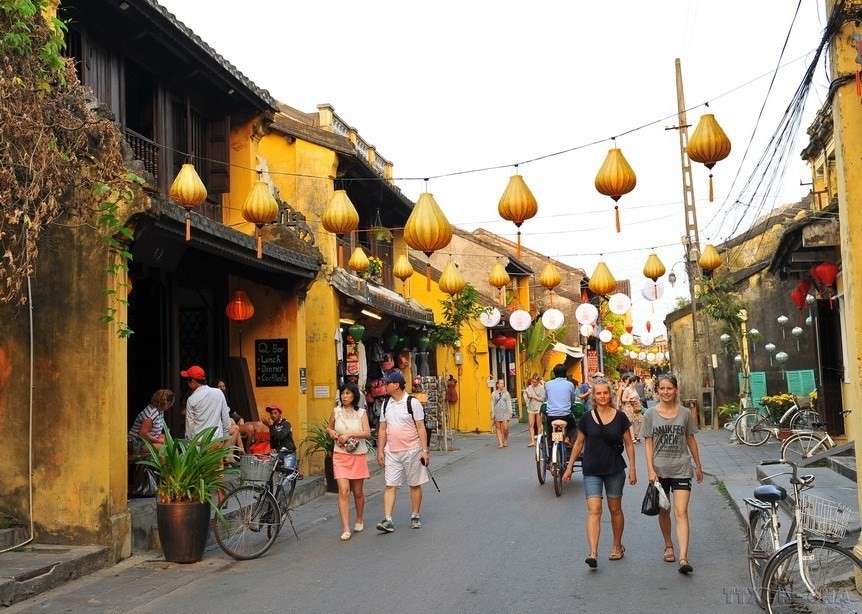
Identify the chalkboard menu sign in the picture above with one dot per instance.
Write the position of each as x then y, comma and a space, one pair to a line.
270, 362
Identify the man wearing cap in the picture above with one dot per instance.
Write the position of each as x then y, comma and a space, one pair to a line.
281, 435
401, 449
206, 406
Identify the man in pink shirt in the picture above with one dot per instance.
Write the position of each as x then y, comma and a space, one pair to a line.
401, 449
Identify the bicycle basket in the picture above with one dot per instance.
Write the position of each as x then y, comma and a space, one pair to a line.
256, 469
824, 517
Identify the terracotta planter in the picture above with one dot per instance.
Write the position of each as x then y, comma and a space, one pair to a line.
183, 530
784, 433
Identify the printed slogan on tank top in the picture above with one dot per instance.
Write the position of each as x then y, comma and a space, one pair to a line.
668, 439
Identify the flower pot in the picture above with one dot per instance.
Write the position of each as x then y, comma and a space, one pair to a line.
784, 433
331, 484
183, 530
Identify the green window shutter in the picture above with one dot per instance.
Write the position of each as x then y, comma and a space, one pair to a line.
757, 384
794, 382
808, 382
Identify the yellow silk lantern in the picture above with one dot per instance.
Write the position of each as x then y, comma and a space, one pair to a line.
602, 281
403, 270
358, 263
615, 178
340, 218
427, 229
654, 268
451, 281
517, 204
499, 278
259, 208
550, 279
708, 145
188, 191
709, 260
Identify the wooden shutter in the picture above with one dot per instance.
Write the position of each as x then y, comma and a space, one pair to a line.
219, 149
794, 382
757, 383
800, 383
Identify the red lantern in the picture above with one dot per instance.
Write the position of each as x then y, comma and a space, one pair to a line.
648, 326
804, 285
798, 297
815, 275
510, 343
239, 308
827, 272
629, 328
499, 340
584, 297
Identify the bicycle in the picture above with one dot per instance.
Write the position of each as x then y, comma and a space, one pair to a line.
810, 573
754, 425
251, 515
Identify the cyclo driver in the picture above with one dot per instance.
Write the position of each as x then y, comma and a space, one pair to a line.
561, 394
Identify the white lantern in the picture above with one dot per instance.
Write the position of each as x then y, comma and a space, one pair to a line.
586, 330
725, 338
659, 356
737, 359
490, 317
810, 299
652, 290
650, 356
782, 320
809, 321
627, 338
782, 357
769, 347
633, 354
647, 339
553, 319
642, 356
797, 331
586, 313
619, 303
605, 336
520, 320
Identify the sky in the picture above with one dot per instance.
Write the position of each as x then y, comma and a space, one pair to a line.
448, 86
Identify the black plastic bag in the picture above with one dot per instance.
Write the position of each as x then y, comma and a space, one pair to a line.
650, 506
145, 484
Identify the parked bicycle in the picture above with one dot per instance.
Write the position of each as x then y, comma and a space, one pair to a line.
803, 445
755, 425
252, 514
810, 572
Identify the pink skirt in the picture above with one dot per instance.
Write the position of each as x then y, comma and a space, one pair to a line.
350, 466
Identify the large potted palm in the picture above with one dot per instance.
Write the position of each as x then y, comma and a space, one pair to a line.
190, 474
318, 440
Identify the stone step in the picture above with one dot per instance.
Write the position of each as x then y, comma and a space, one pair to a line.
844, 465
37, 568
11, 537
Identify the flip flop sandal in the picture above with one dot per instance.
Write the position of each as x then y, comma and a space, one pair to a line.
669, 557
616, 556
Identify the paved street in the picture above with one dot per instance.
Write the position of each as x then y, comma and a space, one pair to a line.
492, 541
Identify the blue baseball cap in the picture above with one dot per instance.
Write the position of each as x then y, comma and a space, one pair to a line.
396, 377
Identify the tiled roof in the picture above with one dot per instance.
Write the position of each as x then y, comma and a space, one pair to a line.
383, 299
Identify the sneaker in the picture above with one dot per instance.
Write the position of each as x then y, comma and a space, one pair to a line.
386, 526
415, 522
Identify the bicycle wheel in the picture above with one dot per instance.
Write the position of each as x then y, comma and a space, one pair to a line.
802, 446
752, 428
830, 569
251, 522
541, 459
804, 420
761, 546
557, 468
284, 498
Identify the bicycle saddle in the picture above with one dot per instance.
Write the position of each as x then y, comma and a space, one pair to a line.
817, 425
558, 423
769, 493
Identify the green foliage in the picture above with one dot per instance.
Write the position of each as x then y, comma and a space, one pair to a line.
318, 440
190, 471
719, 301
457, 311
727, 410
24, 35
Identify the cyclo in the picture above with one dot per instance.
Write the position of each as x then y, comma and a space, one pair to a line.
551, 448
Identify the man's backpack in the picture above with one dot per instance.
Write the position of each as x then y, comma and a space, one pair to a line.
410, 399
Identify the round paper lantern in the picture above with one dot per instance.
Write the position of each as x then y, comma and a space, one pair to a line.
451, 281
737, 359
340, 216
804, 285
782, 357
605, 336
633, 355
615, 178
550, 279
499, 340
798, 298
809, 321
809, 298
708, 144
490, 317
647, 339
427, 229
520, 320
659, 356
827, 272
619, 303
650, 356
422, 343
652, 290
403, 270
769, 347
797, 331
239, 308
709, 260
510, 343
188, 191
725, 338
517, 204
627, 338
629, 328
586, 330
586, 313
260, 208
782, 320
641, 355
357, 331
653, 269
358, 261
553, 319
602, 282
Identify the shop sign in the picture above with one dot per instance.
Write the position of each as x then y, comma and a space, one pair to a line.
270, 362
303, 380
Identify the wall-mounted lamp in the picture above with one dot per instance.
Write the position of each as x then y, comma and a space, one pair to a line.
371, 314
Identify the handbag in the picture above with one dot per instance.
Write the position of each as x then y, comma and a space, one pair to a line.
350, 445
650, 505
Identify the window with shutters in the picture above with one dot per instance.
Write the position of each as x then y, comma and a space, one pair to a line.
800, 383
757, 384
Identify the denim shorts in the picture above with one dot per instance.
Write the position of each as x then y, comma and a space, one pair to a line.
613, 485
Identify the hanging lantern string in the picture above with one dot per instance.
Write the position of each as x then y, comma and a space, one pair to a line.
485, 168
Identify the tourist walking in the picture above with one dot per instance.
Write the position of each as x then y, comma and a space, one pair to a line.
535, 393
603, 434
631, 405
349, 428
501, 412
670, 447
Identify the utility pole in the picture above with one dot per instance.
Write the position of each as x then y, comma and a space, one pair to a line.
691, 242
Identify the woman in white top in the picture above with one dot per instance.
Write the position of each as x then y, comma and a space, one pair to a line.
535, 394
501, 412
348, 426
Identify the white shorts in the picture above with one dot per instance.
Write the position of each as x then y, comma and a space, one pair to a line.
398, 465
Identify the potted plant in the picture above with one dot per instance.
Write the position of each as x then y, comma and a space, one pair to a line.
318, 440
375, 269
189, 474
